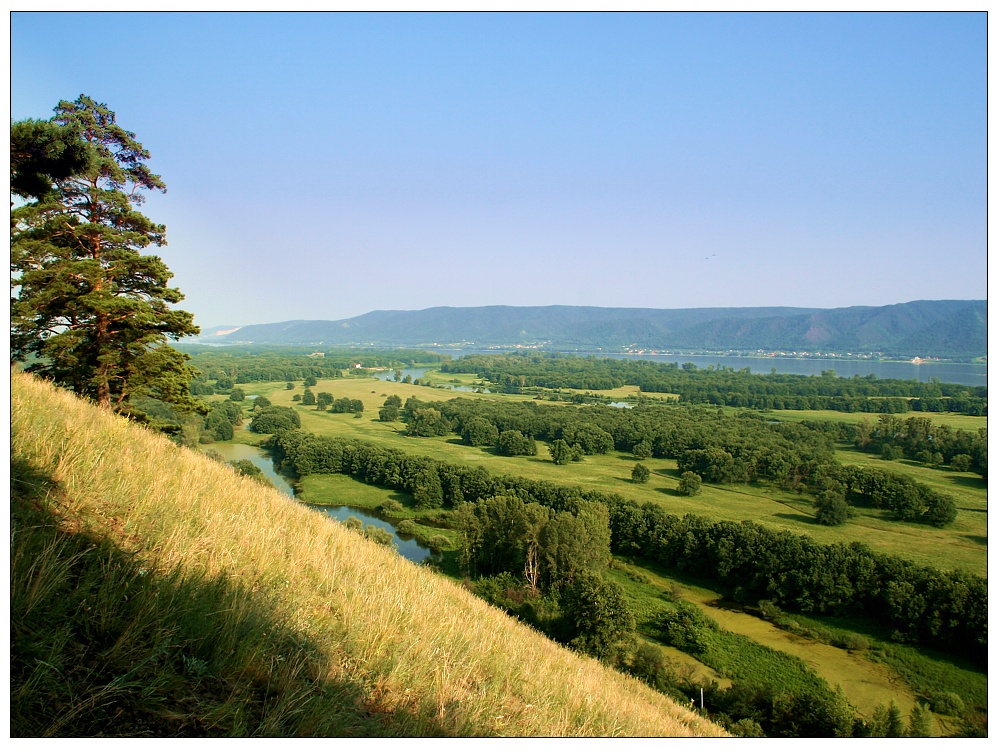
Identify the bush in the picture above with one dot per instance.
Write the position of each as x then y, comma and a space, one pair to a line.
690, 484
390, 507
949, 704
408, 527
640, 474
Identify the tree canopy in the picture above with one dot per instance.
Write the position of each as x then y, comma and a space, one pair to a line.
88, 306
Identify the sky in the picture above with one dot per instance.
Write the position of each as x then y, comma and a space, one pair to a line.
320, 166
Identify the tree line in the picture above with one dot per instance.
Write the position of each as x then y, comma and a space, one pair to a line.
942, 609
722, 386
253, 365
707, 445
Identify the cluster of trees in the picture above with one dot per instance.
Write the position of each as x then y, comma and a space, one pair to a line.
707, 445
323, 401
267, 364
920, 439
272, 419
89, 310
721, 385
943, 609
901, 495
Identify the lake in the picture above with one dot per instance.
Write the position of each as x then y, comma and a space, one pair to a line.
407, 546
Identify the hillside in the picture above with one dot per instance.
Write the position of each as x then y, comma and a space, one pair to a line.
943, 328
155, 593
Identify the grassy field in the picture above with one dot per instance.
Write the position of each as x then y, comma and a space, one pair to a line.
156, 593
961, 545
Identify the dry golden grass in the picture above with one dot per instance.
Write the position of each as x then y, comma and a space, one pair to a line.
416, 647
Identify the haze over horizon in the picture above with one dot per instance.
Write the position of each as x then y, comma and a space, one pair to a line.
322, 166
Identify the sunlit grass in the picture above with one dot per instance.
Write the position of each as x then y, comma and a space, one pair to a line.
363, 642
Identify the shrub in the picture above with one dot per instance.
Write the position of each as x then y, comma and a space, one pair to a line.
690, 484
640, 474
949, 704
390, 507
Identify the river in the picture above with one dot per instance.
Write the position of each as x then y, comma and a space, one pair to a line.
407, 546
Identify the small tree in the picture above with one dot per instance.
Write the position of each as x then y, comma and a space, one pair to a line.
310, 381
308, 398
561, 452
237, 394
597, 617
832, 509
640, 474
690, 484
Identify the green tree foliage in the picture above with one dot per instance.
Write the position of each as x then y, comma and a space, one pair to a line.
323, 400
640, 473
272, 419
308, 398
722, 386
921, 721
388, 413
643, 449
515, 443
689, 485
310, 381
93, 310
427, 491
237, 394
597, 617
260, 402
479, 431
570, 543
832, 509
904, 497
425, 422
42, 153
561, 452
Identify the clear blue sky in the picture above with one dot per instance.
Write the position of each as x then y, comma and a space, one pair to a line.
320, 166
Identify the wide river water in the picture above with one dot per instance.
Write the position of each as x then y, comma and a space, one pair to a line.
407, 546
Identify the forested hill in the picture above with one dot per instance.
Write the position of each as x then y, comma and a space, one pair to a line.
941, 328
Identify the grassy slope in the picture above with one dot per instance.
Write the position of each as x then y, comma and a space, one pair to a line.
961, 545
281, 622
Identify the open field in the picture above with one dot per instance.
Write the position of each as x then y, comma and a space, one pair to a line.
328, 633
961, 545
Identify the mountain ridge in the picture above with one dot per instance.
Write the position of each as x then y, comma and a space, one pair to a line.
942, 328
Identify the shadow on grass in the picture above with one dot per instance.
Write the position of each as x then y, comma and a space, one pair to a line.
972, 483
799, 518
103, 646
976, 539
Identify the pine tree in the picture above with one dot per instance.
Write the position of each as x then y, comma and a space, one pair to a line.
91, 308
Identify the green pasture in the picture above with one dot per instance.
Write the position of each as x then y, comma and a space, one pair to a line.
961, 545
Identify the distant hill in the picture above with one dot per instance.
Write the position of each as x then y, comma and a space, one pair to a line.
941, 328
